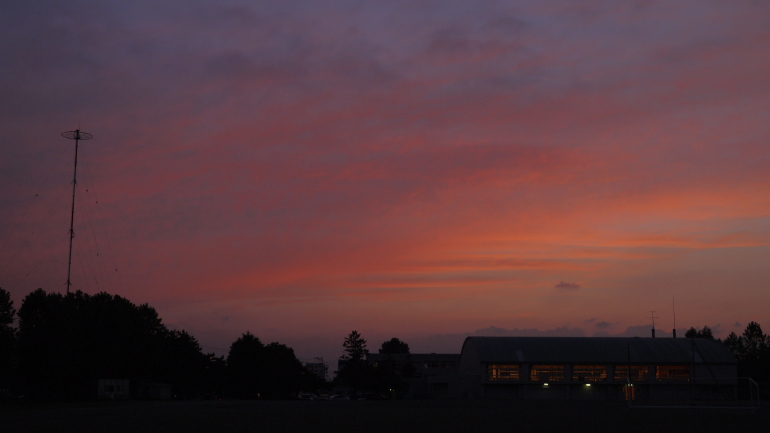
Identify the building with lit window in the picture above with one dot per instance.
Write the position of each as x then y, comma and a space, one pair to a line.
596, 368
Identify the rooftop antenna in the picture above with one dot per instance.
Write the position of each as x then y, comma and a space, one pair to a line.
76, 135
673, 308
653, 317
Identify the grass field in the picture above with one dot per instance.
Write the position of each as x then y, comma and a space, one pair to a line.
372, 416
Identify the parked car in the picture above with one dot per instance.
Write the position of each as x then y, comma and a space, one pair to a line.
339, 397
306, 397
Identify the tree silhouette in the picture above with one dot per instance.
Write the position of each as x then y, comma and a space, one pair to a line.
394, 346
357, 373
699, 333
67, 343
284, 374
752, 349
735, 344
756, 343
394, 367
7, 312
258, 371
244, 363
182, 363
7, 340
355, 347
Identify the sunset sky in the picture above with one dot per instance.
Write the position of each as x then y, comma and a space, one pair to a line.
415, 169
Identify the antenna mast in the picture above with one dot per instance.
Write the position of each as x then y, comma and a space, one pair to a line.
76, 135
673, 308
653, 317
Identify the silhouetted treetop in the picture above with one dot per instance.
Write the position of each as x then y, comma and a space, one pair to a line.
699, 333
263, 371
753, 332
756, 343
355, 347
67, 342
752, 345
394, 346
7, 312
7, 339
245, 353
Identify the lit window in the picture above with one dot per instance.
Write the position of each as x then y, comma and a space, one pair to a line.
502, 372
546, 373
637, 373
665, 373
589, 373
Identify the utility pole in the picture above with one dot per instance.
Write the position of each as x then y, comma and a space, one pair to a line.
76, 135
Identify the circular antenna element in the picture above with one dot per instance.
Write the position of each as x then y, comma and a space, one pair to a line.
77, 135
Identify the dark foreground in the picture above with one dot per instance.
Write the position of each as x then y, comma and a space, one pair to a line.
372, 416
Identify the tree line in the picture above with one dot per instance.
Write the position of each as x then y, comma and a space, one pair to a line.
64, 344
387, 377
752, 349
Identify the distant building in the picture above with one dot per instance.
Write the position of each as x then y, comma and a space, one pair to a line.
317, 368
435, 375
113, 389
596, 368
341, 363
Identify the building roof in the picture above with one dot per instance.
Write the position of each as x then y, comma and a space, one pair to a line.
595, 350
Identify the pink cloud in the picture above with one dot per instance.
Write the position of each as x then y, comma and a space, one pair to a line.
455, 162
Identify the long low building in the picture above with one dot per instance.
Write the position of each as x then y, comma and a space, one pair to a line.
596, 368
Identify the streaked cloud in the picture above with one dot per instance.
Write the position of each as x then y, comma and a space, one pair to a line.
400, 165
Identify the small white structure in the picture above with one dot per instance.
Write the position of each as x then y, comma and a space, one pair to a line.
113, 389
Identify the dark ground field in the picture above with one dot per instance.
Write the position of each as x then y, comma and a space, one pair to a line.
372, 416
